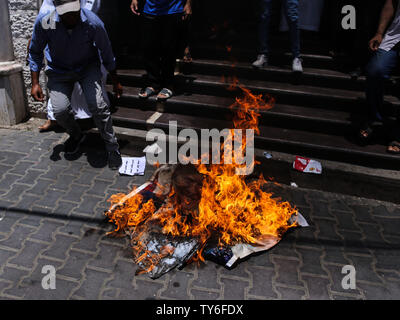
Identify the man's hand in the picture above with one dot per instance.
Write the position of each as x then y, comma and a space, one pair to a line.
135, 7
187, 10
37, 92
117, 89
375, 42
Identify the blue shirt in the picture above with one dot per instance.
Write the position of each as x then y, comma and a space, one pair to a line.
69, 50
163, 7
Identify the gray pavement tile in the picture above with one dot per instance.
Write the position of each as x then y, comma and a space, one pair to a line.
63, 182
377, 292
364, 267
207, 276
75, 193
11, 158
63, 291
75, 264
89, 239
50, 198
92, 284
346, 221
387, 258
47, 230
390, 226
238, 271
60, 248
30, 177
4, 256
7, 181
234, 289
177, 286
17, 236
262, 282
291, 293
99, 188
317, 287
89, 204
40, 187
363, 214
16, 192
204, 295
334, 253
8, 220
311, 261
105, 258
14, 275
144, 290
27, 256
287, 271
64, 208
336, 277
22, 167
122, 276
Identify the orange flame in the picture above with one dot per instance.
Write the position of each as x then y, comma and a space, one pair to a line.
230, 208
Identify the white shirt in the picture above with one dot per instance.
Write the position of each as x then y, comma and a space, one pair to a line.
392, 36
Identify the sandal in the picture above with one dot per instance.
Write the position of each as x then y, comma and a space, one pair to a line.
166, 94
365, 133
146, 92
393, 146
187, 57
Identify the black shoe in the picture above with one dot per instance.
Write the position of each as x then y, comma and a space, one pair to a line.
72, 145
114, 160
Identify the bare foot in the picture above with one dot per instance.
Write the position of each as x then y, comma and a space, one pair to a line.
48, 125
394, 148
187, 58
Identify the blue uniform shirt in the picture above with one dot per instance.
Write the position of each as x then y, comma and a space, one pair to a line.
163, 7
66, 50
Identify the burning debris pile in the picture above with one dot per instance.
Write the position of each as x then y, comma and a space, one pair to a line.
203, 211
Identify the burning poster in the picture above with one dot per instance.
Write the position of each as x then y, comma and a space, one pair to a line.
185, 206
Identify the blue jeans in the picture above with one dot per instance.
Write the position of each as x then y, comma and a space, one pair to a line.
380, 68
291, 8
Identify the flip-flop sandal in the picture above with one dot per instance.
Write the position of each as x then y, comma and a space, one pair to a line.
187, 58
146, 92
395, 144
368, 134
167, 94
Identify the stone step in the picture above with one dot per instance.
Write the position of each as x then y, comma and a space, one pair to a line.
323, 146
280, 115
284, 93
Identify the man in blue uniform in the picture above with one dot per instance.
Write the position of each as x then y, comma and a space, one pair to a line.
161, 19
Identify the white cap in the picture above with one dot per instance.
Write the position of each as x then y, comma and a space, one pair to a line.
63, 7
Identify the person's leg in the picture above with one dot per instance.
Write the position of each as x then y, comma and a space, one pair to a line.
169, 40
90, 81
60, 90
51, 121
291, 8
151, 51
378, 69
263, 31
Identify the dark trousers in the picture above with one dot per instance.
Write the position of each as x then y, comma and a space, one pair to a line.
291, 8
160, 44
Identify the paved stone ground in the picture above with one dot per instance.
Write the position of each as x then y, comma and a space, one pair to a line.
51, 213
